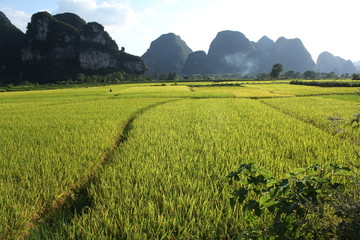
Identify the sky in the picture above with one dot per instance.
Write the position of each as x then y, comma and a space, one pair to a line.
322, 25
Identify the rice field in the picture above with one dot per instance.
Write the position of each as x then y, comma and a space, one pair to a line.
148, 161
318, 110
48, 149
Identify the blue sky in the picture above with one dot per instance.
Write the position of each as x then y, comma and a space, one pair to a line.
322, 25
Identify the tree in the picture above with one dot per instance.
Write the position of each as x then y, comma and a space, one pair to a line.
276, 70
119, 76
172, 76
80, 77
345, 75
292, 74
163, 76
309, 74
262, 76
355, 76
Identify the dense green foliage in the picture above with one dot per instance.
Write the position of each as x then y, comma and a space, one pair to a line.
276, 70
305, 204
355, 76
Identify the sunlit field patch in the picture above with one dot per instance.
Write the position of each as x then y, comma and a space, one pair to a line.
46, 151
306, 90
168, 152
168, 181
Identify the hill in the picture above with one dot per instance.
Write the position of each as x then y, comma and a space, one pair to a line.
266, 44
10, 47
292, 54
327, 62
232, 52
229, 52
57, 48
196, 63
168, 53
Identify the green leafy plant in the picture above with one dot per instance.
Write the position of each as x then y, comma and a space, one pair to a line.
297, 206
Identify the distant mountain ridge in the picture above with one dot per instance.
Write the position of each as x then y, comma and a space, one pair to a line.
232, 52
327, 62
57, 48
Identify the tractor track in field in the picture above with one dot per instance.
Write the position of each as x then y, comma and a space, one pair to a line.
78, 201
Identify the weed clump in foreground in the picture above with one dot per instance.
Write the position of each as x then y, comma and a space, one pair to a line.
309, 203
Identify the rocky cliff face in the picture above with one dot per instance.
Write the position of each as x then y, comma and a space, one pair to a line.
166, 54
57, 47
10, 48
327, 63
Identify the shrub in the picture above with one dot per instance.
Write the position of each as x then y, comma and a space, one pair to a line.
305, 204
355, 76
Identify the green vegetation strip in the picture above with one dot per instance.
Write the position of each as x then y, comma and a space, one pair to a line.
168, 180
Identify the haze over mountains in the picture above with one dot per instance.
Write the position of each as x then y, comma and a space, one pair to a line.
57, 48
232, 52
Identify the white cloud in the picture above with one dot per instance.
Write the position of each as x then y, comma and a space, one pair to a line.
120, 20
113, 15
18, 18
151, 11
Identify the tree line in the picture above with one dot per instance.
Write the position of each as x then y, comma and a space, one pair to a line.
277, 72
